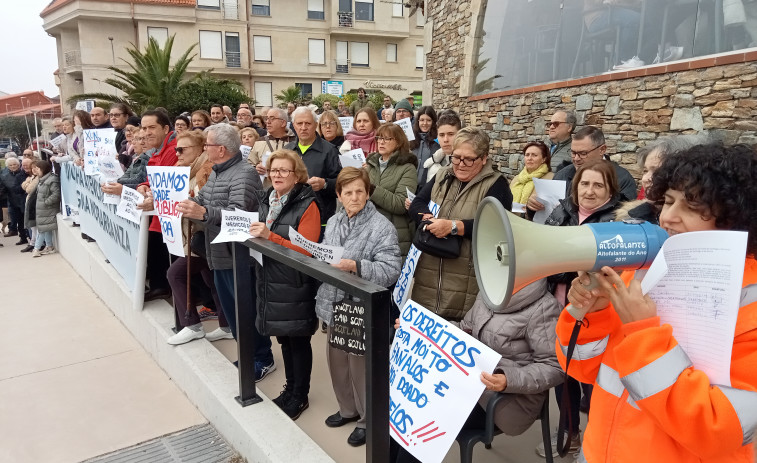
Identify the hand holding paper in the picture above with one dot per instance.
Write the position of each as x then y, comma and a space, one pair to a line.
549, 193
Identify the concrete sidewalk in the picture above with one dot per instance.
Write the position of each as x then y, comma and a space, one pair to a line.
74, 383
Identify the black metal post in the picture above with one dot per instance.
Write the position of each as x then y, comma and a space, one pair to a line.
245, 314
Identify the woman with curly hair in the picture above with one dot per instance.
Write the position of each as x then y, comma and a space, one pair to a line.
652, 404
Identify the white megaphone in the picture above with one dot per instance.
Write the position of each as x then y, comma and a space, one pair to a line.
510, 252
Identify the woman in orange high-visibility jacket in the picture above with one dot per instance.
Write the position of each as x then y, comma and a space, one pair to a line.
649, 403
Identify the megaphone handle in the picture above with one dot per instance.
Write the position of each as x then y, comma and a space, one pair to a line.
574, 311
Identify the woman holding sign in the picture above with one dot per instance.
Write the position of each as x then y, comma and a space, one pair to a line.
652, 403
371, 251
363, 132
393, 172
286, 297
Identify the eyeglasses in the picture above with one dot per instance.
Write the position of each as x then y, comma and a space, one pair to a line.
467, 162
205, 146
271, 118
328, 124
115, 114
384, 139
283, 173
583, 154
181, 149
555, 124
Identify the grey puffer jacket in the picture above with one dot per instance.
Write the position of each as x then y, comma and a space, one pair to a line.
48, 202
137, 171
524, 334
371, 241
232, 184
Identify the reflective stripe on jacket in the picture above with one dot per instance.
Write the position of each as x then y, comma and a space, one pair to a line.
650, 403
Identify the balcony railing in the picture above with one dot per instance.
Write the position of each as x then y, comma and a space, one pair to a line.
72, 58
233, 59
345, 18
342, 66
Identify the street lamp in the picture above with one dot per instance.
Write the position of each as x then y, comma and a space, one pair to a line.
112, 50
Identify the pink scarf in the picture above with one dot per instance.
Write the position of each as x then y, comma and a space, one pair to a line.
367, 141
584, 213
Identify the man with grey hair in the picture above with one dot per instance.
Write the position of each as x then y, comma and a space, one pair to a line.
11, 179
232, 184
320, 157
560, 128
277, 138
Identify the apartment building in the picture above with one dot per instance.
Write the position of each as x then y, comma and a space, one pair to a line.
267, 45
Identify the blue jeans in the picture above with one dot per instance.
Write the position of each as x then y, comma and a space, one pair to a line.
628, 23
224, 280
43, 239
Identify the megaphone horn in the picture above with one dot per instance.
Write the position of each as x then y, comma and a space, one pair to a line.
510, 252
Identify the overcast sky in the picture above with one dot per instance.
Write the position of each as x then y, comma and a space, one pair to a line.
27, 54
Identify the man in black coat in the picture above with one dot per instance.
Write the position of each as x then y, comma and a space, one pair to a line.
11, 179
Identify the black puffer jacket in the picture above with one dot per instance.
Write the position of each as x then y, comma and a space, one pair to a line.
286, 297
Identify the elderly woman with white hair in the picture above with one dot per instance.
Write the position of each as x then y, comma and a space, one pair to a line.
320, 157
11, 179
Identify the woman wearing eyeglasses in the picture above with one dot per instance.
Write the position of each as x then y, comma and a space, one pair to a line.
286, 297
536, 160
330, 128
448, 287
393, 171
363, 132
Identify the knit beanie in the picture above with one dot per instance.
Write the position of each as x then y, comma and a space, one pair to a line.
134, 120
403, 104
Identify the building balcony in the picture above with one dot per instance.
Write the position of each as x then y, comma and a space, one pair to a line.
72, 62
363, 24
233, 59
342, 66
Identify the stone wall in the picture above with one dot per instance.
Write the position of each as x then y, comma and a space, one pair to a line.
631, 111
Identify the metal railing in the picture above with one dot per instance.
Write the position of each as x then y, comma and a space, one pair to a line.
345, 18
342, 66
233, 59
376, 300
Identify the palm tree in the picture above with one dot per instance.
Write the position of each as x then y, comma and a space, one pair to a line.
291, 94
151, 82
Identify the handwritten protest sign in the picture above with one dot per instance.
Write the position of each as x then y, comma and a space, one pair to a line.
401, 292
98, 142
127, 206
169, 186
353, 158
434, 382
59, 142
235, 226
407, 127
348, 330
245, 150
410, 194
328, 254
346, 123
110, 171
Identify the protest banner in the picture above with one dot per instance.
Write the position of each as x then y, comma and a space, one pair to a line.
348, 327
401, 292
434, 381
353, 158
346, 123
328, 254
127, 206
407, 126
98, 142
118, 238
235, 226
169, 186
245, 150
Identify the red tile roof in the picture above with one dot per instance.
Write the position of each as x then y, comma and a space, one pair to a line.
55, 4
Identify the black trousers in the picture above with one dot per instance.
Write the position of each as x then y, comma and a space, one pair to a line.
177, 278
157, 261
298, 363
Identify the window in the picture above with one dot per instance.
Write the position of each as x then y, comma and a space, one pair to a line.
261, 45
263, 93
360, 54
210, 45
342, 54
261, 7
420, 58
391, 52
306, 90
160, 34
364, 10
398, 9
233, 55
315, 9
420, 20
215, 4
316, 51
345, 6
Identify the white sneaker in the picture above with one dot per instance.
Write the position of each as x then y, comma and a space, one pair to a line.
185, 335
632, 63
36, 253
217, 334
48, 250
575, 446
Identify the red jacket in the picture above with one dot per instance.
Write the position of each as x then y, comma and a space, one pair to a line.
164, 156
649, 403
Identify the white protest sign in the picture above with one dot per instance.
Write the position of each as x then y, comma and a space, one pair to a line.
245, 150
346, 123
410, 194
407, 127
172, 236
264, 161
127, 206
235, 226
110, 170
328, 254
549, 193
353, 158
169, 186
59, 142
401, 292
434, 381
98, 142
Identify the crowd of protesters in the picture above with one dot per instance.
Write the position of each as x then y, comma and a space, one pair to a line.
294, 179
